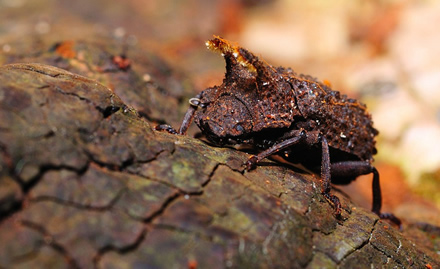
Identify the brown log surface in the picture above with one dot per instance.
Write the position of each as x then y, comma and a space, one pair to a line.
85, 182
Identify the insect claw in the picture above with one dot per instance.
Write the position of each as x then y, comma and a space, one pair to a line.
165, 127
251, 163
336, 203
392, 218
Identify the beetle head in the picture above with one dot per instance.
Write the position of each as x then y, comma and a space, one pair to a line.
252, 97
225, 119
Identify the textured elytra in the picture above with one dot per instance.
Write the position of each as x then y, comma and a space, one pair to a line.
261, 105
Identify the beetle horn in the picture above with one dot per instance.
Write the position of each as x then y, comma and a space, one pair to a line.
226, 49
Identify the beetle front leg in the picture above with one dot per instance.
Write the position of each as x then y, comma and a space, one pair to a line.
187, 119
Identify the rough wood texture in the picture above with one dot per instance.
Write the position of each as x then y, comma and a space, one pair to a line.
85, 182
145, 82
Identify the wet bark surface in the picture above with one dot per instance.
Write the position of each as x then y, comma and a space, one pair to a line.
87, 183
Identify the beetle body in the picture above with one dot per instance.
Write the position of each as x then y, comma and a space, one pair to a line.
282, 113
258, 104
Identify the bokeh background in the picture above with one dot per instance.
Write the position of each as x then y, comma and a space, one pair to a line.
385, 53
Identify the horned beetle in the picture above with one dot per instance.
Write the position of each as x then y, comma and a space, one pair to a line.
291, 115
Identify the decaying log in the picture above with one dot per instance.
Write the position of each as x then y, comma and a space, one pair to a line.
85, 182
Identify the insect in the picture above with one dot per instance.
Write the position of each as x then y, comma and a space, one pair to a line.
280, 112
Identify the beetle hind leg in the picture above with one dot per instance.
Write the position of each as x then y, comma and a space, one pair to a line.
353, 169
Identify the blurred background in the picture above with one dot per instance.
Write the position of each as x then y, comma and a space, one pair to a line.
385, 53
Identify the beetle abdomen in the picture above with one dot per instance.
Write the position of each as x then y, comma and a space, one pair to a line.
344, 122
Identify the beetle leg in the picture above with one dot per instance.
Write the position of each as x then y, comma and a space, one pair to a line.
254, 159
352, 169
309, 138
187, 119
189, 115
326, 177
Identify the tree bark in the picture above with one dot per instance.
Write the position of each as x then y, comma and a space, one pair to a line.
85, 182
